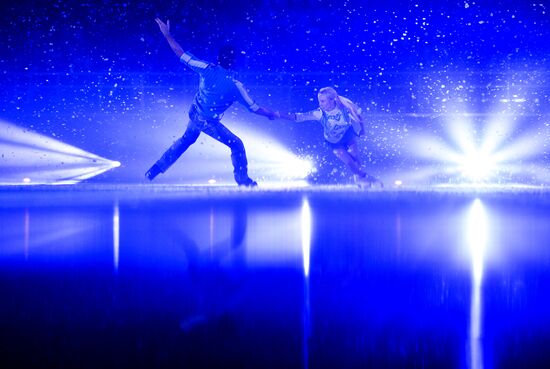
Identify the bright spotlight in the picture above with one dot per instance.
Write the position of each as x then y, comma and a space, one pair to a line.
478, 166
31, 158
488, 153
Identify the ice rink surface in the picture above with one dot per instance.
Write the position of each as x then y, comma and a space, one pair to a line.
312, 277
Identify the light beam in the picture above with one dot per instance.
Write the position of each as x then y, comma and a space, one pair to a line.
28, 157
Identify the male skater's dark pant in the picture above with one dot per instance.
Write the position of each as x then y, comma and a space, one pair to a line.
216, 130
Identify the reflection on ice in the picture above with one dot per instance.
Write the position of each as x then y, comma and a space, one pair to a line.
345, 276
279, 246
306, 221
478, 233
306, 234
477, 238
116, 236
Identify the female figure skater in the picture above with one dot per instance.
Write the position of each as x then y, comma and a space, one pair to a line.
342, 123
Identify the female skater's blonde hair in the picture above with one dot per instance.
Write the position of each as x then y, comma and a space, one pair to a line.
341, 102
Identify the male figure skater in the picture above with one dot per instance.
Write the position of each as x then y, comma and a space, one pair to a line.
218, 89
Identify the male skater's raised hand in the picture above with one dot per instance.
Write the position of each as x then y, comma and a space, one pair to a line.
164, 27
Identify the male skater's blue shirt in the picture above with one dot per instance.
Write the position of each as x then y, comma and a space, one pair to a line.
218, 88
